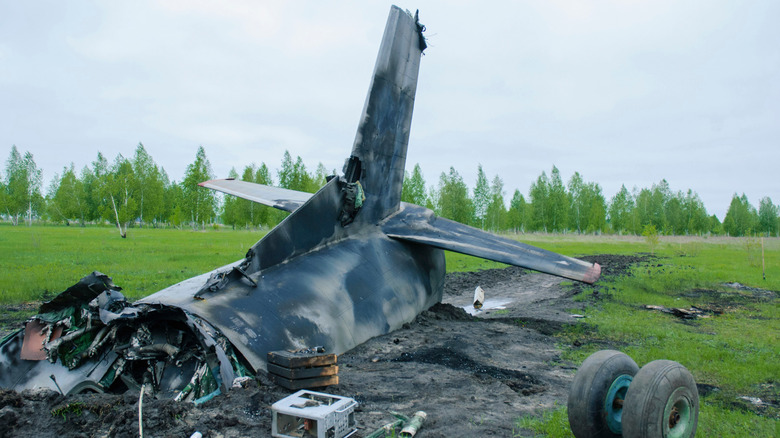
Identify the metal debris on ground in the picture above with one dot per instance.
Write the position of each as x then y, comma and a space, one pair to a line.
409, 426
692, 313
479, 297
414, 424
313, 414
755, 401
90, 338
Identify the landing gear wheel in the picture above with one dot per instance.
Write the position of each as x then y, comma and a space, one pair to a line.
595, 403
661, 402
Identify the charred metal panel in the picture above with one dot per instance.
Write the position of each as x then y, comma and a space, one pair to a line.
420, 225
383, 132
311, 225
338, 296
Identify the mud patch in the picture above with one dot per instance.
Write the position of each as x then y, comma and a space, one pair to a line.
613, 265
519, 382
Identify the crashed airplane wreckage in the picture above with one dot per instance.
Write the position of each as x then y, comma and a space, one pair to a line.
349, 263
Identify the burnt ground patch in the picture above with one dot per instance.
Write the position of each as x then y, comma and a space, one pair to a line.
615, 265
520, 382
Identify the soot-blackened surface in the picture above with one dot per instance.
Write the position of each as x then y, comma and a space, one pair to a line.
442, 356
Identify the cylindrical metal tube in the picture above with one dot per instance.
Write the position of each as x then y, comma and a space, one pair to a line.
479, 297
415, 423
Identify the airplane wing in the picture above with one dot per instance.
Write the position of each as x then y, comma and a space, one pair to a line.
276, 197
420, 225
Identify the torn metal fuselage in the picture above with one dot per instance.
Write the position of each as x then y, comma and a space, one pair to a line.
90, 339
349, 263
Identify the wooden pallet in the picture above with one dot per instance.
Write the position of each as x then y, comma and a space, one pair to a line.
296, 370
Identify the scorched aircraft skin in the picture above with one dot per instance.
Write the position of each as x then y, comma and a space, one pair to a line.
349, 263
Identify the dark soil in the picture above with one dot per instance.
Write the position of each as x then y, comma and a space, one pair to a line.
473, 375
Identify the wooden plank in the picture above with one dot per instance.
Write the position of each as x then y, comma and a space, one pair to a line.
303, 373
314, 382
300, 360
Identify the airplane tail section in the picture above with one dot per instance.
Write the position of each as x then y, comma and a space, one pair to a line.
379, 153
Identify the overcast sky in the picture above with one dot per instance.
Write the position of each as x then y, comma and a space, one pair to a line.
624, 92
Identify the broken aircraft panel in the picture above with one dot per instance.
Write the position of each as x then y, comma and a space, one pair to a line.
349, 263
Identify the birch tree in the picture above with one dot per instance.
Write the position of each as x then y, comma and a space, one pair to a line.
199, 203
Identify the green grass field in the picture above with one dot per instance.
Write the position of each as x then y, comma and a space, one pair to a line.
736, 352
40, 261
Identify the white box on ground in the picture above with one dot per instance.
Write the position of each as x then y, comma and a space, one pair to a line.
313, 414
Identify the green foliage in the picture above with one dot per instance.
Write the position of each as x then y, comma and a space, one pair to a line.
453, 198
293, 175
768, 222
142, 194
119, 188
231, 207
718, 420
539, 195
66, 201
199, 203
651, 237
670, 213
517, 217
252, 213
588, 207
23, 187
620, 211
75, 408
413, 190
553, 423
558, 202
93, 179
577, 201
741, 218
650, 207
149, 187
496, 215
481, 198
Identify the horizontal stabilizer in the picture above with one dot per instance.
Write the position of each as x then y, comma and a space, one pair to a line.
276, 197
420, 225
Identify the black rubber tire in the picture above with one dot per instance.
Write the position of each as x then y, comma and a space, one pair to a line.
661, 402
595, 381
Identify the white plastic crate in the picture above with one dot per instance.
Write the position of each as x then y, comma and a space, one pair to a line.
313, 414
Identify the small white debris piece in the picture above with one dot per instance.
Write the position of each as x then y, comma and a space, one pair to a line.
240, 382
754, 400
479, 297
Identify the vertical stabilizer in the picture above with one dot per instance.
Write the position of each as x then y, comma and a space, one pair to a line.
383, 133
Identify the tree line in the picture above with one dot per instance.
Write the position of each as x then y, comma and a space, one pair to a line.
579, 206
137, 192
